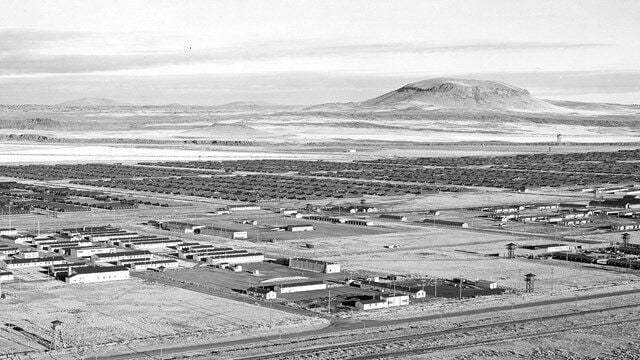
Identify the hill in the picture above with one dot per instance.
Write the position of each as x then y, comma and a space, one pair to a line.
459, 95
92, 102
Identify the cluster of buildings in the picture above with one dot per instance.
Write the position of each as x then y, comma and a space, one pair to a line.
85, 255
190, 228
214, 255
337, 220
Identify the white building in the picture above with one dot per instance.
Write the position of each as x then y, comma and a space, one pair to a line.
300, 287
19, 238
314, 265
244, 258
26, 263
29, 254
6, 276
486, 284
89, 251
243, 207
121, 255
8, 231
396, 300
265, 293
91, 274
298, 228
153, 265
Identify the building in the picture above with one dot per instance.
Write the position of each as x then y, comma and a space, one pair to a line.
185, 227
240, 258
224, 232
265, 293
153, 265
393, 217
359, 222
486, 284
89, 251
301, 286
37, 262
121, 255
6, 276
244, 207
7, 250
297, 228
461, 224
371, 304
19, 238
152, 244
8, 231
314, 265
29, 255
91, 274
394, 300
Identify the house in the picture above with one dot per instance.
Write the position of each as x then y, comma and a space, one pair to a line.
91, 274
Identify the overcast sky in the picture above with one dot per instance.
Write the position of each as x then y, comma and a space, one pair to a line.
305, 52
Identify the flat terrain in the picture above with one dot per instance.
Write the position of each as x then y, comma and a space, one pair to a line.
196, 306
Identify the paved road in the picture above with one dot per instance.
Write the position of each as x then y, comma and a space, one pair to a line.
345, 325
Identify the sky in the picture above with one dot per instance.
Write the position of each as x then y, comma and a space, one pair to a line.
307, 52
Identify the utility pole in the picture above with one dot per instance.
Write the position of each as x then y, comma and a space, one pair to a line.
435, 289
460, 288
329, 306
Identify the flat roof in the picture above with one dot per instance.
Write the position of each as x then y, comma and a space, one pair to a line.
34, 260
313, 261
123, 253
305, 283
98, 269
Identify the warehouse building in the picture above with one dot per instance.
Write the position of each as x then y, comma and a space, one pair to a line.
393, 217
121, 255
153, 265
89, 251
298, 228
224, 232
242, 258
92, 274
8, 231
314, 265
461, 224
7, 250
19, 238
181, 226
6, 276
262, 292
26, 263
244, 207
301, 286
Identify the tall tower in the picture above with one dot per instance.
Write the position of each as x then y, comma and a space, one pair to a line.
559, 139
511, 247
529, 280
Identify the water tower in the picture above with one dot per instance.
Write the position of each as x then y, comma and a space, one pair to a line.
559, 139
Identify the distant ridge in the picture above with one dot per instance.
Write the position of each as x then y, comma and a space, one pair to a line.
92, 102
